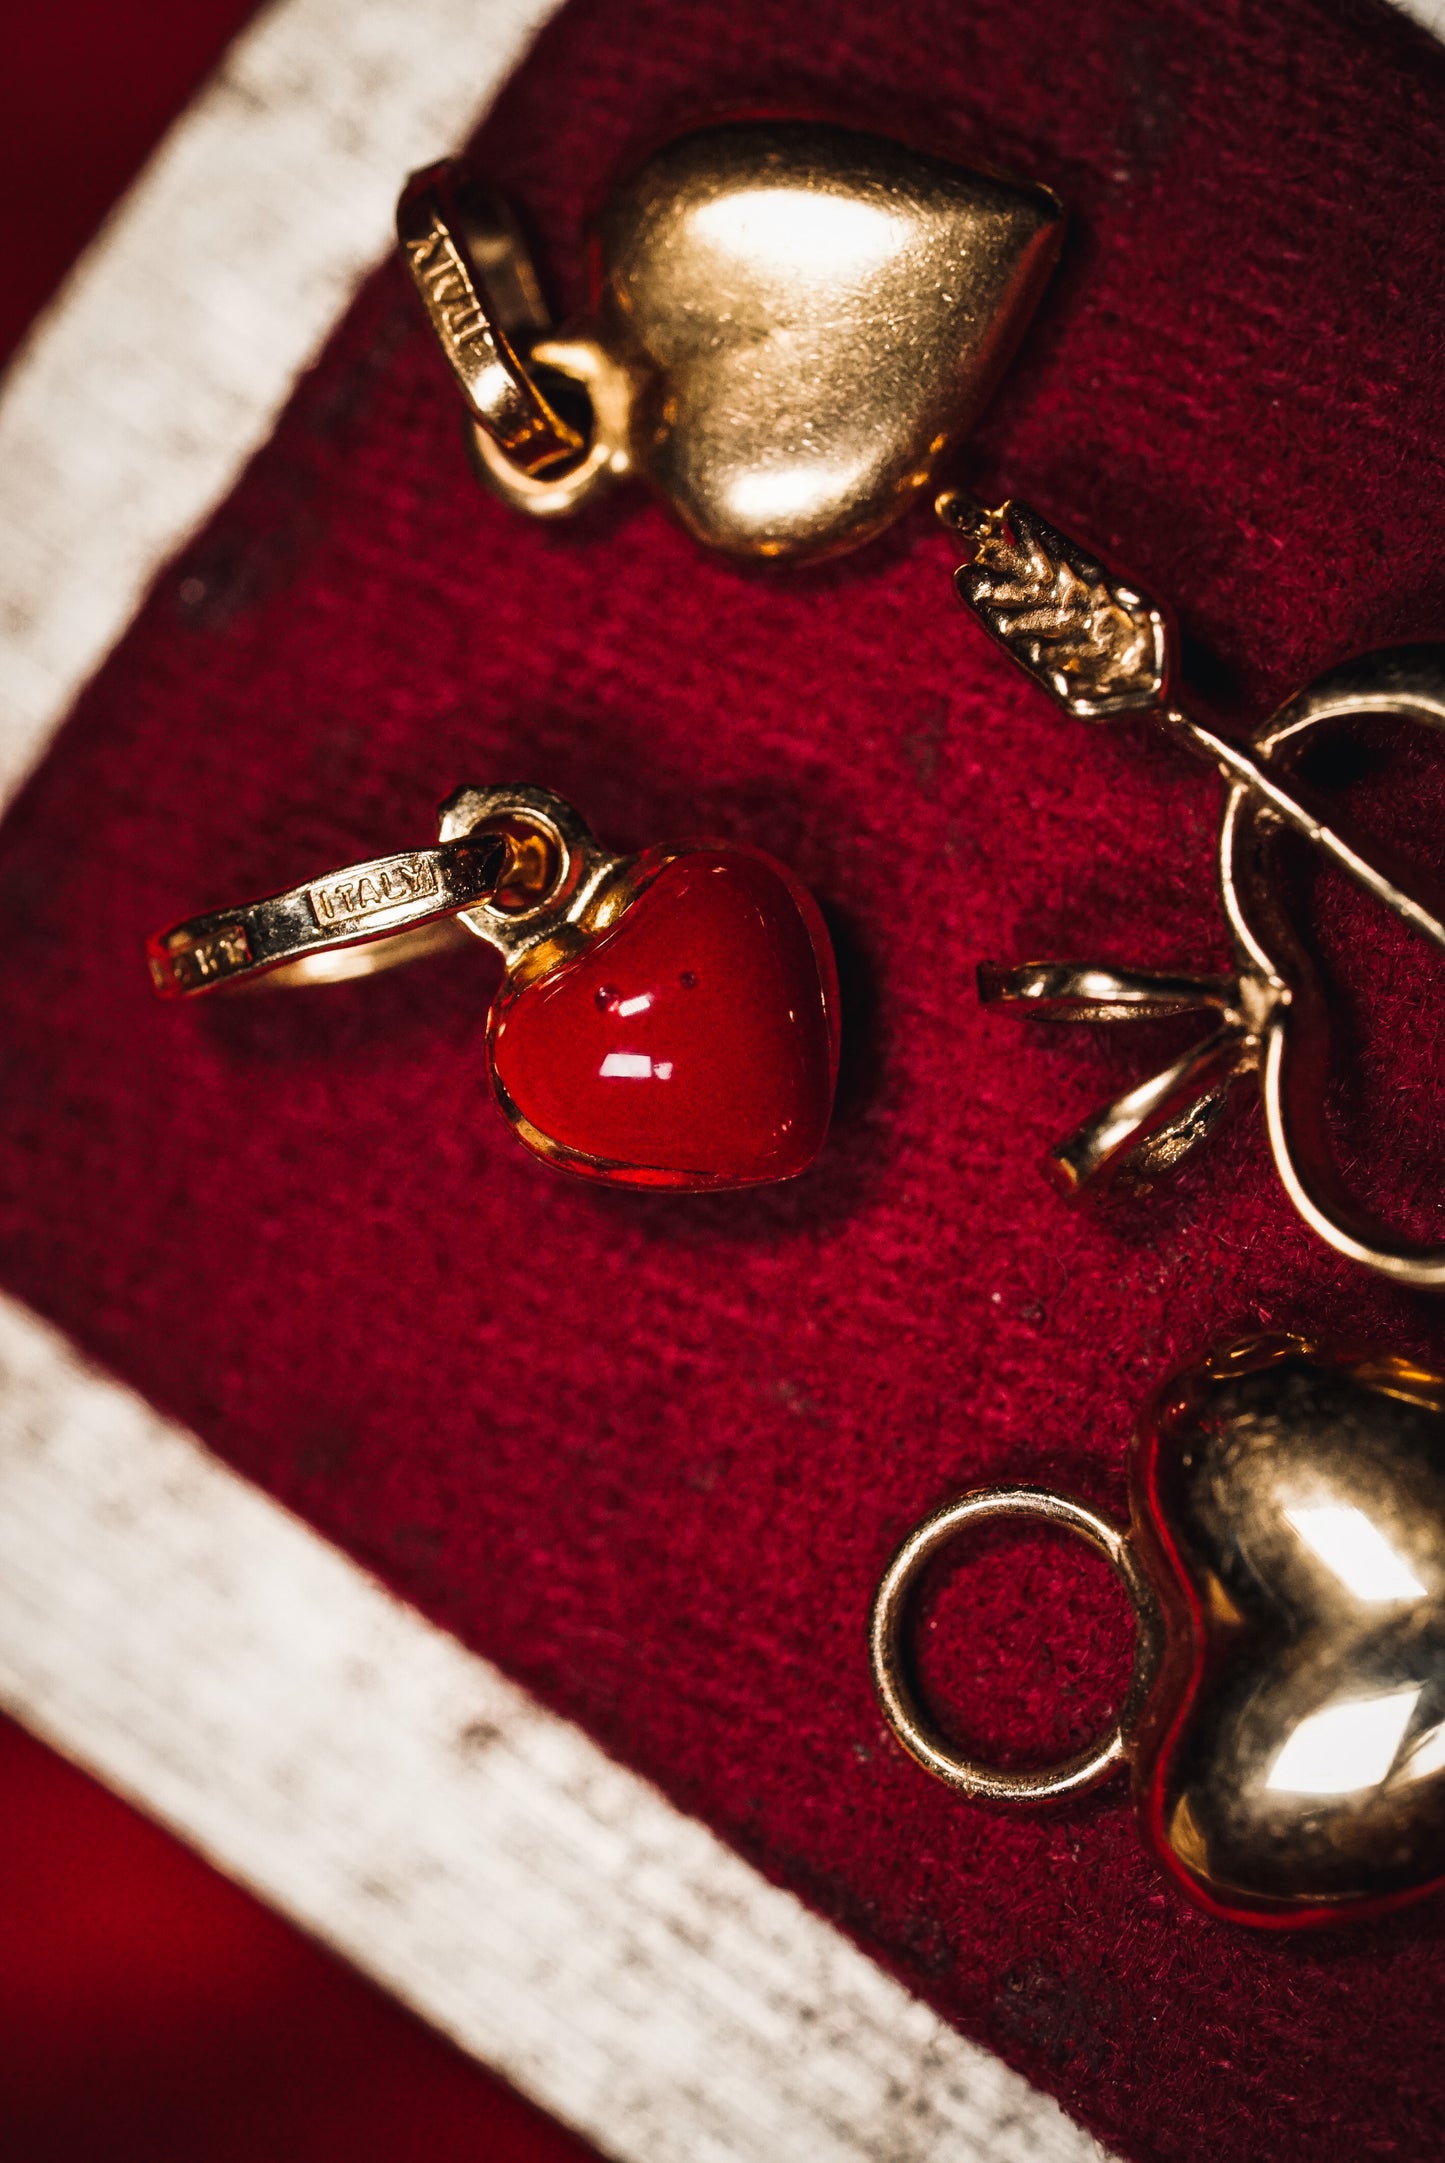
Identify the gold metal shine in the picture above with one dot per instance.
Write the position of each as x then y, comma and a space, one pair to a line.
1285, 1725
794, 325
347, 923
915, 1727
1291, 1755
1103, 651
515, 867
452, 239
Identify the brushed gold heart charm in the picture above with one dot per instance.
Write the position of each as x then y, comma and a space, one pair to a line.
1102, 650
792, 326
1285, 1728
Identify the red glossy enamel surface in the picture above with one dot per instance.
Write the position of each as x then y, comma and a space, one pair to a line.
692, 1045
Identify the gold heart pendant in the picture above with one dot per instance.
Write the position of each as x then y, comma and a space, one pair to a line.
792, 326
1102, 650
1284, 1730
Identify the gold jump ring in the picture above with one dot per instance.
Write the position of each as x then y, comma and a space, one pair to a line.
913, 1725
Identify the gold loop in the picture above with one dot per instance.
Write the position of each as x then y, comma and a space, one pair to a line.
335, 926
502, 395
561, 490
1406, 683
515, 866
918, 1732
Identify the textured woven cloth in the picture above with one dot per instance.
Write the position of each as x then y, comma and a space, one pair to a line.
651, 1453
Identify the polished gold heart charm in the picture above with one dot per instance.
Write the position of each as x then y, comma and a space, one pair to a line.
1285, 1727
792, 326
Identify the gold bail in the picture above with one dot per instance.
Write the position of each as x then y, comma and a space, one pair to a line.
447, 233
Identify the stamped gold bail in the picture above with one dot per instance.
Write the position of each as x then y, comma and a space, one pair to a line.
476, 284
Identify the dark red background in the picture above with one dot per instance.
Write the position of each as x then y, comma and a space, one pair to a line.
651, 1454
151, 2013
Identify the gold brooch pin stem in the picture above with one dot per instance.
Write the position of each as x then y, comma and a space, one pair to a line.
1423, 909
472, 316
1102, 650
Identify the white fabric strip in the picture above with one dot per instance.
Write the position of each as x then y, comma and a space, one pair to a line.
1430, 14
168, 1626
165, 359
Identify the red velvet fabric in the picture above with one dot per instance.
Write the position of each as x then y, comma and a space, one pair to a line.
149, 2010
651, 1453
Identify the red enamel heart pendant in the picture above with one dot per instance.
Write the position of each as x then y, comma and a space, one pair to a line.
666, 1020
1285, 1728
691, 1043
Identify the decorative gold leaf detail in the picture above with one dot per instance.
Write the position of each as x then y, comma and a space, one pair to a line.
1096, 645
